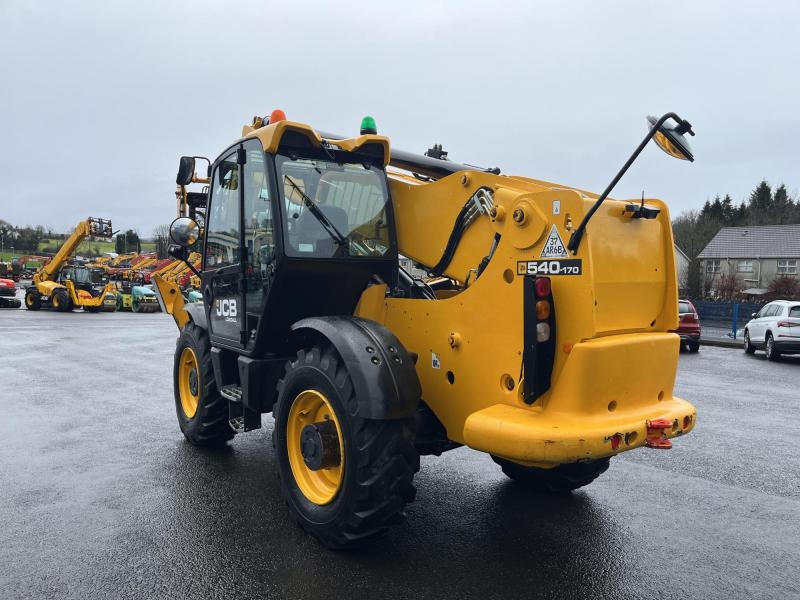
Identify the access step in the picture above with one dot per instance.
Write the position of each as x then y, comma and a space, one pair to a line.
240, 418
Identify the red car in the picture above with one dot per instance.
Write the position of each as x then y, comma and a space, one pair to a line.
688, 325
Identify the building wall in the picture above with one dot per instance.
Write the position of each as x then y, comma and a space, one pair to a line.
764, 271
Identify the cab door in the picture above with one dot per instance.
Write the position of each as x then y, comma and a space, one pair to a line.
221, 280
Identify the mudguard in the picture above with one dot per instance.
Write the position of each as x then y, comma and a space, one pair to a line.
197, 313
382, 371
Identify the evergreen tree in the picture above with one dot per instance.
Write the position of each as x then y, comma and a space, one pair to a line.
761, 204
783, 206
728, 211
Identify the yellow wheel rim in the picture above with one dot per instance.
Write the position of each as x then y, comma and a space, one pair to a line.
189, 382
56, 301
29, 299
322, 485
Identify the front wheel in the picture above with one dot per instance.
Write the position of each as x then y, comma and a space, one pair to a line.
202, 411
345, 478
748, 346
558, 480
61, 301
32, 300
694, 347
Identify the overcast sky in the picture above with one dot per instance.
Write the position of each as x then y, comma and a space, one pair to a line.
99, 99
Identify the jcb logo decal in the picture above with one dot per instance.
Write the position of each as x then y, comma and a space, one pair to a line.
226, 308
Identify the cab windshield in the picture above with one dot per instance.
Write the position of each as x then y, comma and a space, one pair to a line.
332, 209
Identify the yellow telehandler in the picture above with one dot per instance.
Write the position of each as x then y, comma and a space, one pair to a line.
540, 336
63, 287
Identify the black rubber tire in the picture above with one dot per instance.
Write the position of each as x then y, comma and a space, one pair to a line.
558, 480
770, 350
693, 347
748, 347
119, 302
380, 458
32, 300
209, 425
61, 301
135, 305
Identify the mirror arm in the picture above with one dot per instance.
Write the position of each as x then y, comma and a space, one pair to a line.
181, 254
575, 240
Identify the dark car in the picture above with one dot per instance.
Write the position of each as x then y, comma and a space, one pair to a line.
688, 325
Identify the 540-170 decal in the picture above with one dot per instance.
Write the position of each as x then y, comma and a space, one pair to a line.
571, 266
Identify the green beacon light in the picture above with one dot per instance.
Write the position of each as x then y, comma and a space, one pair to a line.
368, 126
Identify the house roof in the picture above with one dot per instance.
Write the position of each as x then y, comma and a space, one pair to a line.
763, 241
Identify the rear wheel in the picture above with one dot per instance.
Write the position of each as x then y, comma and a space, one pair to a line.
135, 304
693, 347
345, 478
558, 480
202, 411
748, 346
32, 300
771, 351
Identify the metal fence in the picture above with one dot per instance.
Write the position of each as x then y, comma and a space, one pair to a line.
724, 319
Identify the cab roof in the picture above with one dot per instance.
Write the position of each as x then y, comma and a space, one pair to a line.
274, 134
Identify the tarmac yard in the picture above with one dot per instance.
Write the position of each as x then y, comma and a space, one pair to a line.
101, 497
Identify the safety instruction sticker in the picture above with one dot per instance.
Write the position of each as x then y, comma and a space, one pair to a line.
572, 266
435, 362
554, 246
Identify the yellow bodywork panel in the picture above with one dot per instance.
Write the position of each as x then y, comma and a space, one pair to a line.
615, 361
171, 300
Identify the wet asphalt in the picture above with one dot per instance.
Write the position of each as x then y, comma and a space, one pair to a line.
100, 496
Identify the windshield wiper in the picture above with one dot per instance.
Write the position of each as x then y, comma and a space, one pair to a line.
329, 227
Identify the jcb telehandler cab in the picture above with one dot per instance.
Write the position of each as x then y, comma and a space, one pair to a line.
550, 355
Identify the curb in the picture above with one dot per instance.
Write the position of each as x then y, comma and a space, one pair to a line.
721, 343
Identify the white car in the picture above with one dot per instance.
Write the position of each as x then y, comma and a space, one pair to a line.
775, 328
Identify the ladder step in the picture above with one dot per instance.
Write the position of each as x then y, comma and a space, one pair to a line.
231, 392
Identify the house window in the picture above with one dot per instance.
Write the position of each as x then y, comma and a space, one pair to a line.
744, 266
787, 266
713, 266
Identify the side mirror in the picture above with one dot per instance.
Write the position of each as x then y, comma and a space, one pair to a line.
753, 315
672, 140
184, 231
186, 170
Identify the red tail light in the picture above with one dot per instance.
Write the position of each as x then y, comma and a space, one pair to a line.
542, 287
788, 324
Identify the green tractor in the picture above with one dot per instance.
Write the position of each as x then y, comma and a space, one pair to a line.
136, 298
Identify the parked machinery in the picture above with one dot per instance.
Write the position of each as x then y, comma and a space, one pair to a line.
64, 287
136, 298
550, 355
8, 294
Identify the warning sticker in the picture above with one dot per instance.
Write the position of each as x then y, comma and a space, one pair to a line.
554, 246
435, 362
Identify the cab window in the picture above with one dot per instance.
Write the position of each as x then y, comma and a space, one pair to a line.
333, 209
222, 223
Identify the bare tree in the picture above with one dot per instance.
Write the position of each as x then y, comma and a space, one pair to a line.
161, 238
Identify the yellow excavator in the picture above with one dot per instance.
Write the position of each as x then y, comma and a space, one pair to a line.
62, 287
540, 335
